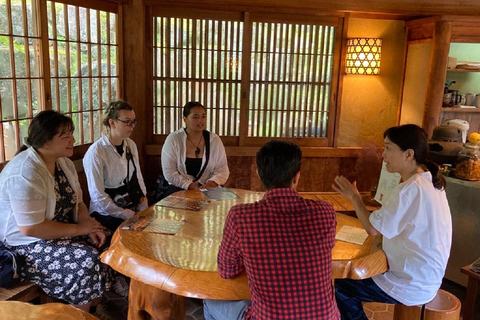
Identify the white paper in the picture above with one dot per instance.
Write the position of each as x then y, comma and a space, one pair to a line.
352, 235
386, 184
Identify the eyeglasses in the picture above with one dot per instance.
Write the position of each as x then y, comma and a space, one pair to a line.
128, 122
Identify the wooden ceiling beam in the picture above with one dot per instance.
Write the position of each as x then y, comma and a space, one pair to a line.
412, 8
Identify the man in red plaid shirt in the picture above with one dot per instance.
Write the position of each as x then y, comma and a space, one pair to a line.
284, 243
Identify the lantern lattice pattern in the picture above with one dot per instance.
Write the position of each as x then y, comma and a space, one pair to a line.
363, 56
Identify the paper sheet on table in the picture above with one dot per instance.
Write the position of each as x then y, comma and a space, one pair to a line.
352, 235
183, 203
219, 193
386, 184
156, 225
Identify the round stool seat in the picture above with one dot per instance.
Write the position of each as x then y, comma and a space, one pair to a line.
445, 306
16, 310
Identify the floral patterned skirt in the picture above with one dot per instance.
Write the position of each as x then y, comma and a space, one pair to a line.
68, 269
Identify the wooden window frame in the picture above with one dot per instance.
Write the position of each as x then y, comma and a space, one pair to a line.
247, 17
85, 135
44, 96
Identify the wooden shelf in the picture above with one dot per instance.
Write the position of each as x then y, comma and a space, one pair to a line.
463, 70
465, 110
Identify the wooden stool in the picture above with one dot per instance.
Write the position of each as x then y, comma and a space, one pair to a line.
445, 306
16, 310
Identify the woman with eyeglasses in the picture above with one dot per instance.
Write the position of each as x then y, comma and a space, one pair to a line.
115, 183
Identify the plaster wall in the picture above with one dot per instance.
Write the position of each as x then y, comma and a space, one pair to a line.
416, 79
370, 103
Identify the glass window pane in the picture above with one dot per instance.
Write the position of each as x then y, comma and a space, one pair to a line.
76, 123
20, 63
86, 127
72, 23
53, 83
6, 90
86, 95
104, 71
84, 58
17, 18
63, 99
93, 26
113, 28
73, 59
104, 91
35, 63
83, 24
49, 17
114, 90
97, 124
3, 17
31, 20
60, 21
5, 67
37, 101
23, 124
22, 98
53, 70
62, 58
103, 27
74, 91
113, 61
95, 93
95, 58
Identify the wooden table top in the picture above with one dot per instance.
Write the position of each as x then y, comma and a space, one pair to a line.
186, 263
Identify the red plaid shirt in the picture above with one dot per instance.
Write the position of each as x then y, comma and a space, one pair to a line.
285, 244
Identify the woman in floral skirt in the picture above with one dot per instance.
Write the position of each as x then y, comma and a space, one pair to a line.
43, 218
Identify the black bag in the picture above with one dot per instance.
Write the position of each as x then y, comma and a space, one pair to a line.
160, 191
8, 267
130, 194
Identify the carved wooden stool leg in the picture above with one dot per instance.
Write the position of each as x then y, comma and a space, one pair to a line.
146, 302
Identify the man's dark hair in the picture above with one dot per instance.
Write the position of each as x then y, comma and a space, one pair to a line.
278, 162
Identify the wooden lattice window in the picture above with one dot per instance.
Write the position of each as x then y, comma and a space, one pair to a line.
290, 80
21, 75
260, 76
83, 51
82, 56
197, 60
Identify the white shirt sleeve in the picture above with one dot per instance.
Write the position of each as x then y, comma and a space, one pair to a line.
170, 152
217, 167
94, 170
28, 199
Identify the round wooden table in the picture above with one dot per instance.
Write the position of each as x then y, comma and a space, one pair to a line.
185, 264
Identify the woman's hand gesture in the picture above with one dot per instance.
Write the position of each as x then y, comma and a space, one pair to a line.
346, 188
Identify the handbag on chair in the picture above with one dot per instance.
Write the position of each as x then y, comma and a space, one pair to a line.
8, 267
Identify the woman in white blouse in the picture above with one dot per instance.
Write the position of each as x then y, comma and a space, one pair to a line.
185, 154
43, 217
115, 183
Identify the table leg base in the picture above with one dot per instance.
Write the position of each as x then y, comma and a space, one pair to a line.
149, 303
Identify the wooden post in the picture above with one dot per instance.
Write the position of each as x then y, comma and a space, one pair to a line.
437, 74
134, 53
